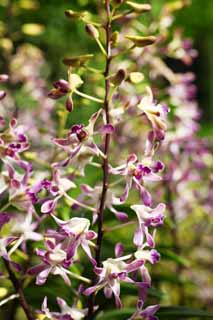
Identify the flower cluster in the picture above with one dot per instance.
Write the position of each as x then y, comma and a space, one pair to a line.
48, 195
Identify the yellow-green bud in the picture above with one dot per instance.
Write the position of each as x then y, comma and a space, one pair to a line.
141, 41
139, 7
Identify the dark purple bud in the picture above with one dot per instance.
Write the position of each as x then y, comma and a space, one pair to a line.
56, 94
62, 85
69, 104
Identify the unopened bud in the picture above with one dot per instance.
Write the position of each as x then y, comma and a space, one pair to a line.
115, 38
62, 85
74, 14
69, 104
119, 77
142, 41
92, 31
139, 7
118, 2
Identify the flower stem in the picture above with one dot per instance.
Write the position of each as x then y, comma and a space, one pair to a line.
105, 165
86, 96
18, 287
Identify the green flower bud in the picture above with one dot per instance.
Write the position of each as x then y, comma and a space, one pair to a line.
115, 38
74, 14
141, 41
139, 7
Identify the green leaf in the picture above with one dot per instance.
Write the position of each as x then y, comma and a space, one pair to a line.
170, 255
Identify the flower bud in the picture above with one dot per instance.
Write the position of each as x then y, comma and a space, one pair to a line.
114, 38
136, 77
139, 7
69, 104
117, 2
141, 41
118, 78
62, 85
77, 61
74, 14
92, 31
56, 94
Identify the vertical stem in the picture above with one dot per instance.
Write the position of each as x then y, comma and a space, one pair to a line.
18, 287
106, 151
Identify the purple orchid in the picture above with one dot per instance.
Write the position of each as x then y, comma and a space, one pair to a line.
54, 262
146, 314
13, 141
77, 233
79, 136
147, 217
111, 274
138, 172
56, 188
23, 229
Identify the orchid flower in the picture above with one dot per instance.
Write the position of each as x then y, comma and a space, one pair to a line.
111, 274
23, 228
138, 172
13, 141
156, 114
54, 262
79, 136
147, 217
78, 233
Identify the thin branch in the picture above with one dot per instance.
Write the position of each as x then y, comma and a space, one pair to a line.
105, 165
18, 287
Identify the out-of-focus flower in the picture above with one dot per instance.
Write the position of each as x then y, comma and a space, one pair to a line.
23, 228
67, 313
13, 141
94, 195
